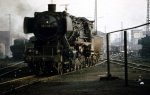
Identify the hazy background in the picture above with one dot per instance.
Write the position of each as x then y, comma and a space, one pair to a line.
110, 12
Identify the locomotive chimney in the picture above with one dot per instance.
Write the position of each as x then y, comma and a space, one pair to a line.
52, 7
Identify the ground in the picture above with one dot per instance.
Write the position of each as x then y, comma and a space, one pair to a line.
88, 82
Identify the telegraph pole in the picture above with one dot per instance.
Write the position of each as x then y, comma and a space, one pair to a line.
9, 34
121, 36
9, 28
66, 6
96, 17
148, 18
51, 1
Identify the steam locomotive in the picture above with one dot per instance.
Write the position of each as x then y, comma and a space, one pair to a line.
59, 41
18, 48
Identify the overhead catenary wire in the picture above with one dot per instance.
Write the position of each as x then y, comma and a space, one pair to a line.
129, 28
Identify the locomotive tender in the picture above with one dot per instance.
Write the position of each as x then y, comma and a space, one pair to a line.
59, 39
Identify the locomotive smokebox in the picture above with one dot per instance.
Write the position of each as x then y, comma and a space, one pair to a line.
52, 7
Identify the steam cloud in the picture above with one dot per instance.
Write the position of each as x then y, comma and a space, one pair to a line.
18, 10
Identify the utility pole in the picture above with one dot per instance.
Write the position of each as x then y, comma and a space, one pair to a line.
148, 18
51, 1
122, 33
121, 37
9, 35
96, 17
66, 6
10, 28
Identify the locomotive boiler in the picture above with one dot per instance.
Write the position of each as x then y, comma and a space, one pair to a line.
59, 39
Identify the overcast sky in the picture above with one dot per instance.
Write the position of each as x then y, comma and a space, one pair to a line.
110, 12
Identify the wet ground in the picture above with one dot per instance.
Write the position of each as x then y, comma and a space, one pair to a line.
89, 82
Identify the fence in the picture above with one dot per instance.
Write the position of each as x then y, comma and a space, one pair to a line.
127, 45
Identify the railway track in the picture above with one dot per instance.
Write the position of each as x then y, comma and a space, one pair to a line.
140, 60
13, 64
7, 62
11, 86
132, 65
11, 68
14, 71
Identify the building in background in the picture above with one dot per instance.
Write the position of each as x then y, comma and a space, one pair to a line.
5, 40
2, 50
103, 44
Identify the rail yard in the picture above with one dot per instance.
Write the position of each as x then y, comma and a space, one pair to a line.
60, 52
88, 81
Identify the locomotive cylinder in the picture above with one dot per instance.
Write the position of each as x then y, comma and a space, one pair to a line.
52, 7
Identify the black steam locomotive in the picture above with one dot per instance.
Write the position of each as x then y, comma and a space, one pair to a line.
18, 48
59, 40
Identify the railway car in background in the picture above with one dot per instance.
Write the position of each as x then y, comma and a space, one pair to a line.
60, 41
145, 51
